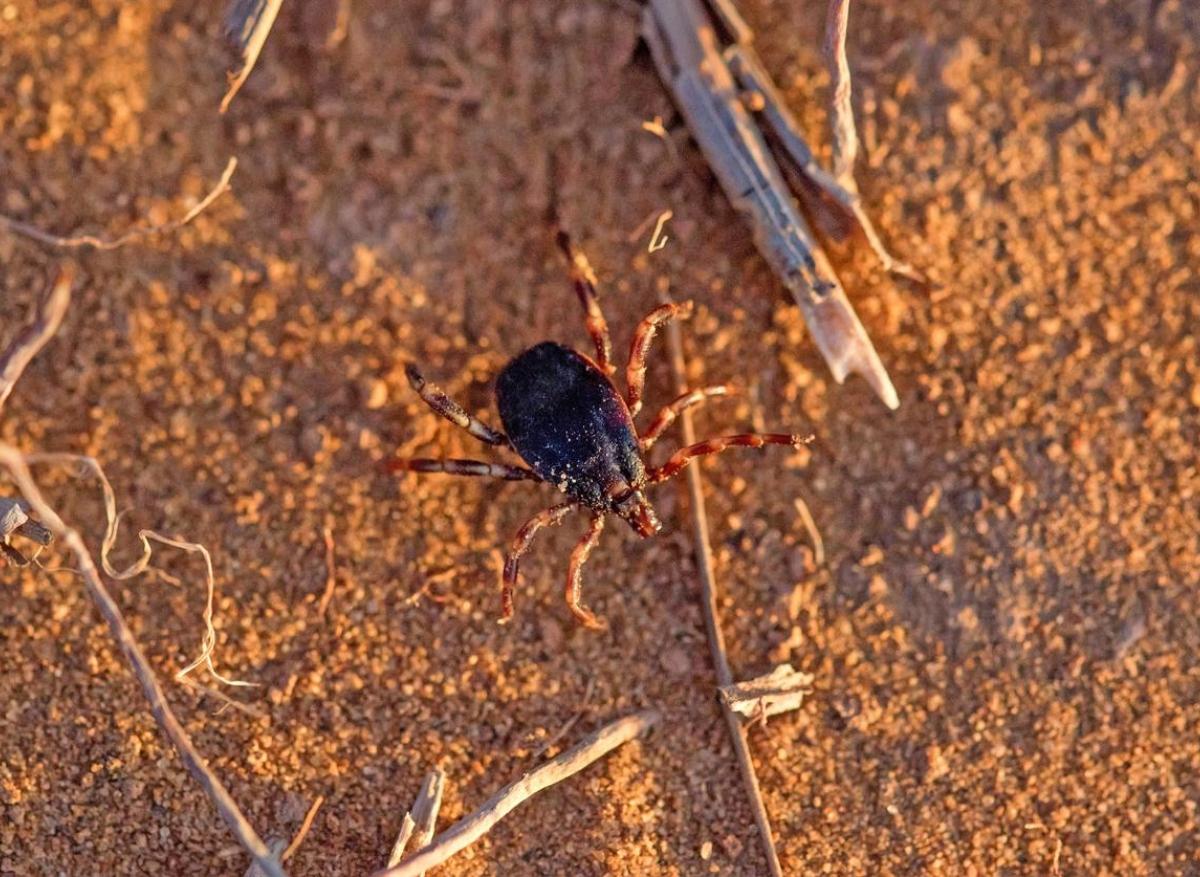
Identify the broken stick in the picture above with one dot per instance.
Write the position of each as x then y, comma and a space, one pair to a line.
469, 829
780, 691
722, 91
420, 821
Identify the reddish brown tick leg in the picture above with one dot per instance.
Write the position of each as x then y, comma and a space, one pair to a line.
520, 545
584, 281
635, 371
579, 557
667, 415
463, 467
681, 458
446, 407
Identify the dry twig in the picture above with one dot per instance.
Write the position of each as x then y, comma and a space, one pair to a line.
304, 827
748, 136
419, 822
247, 23
708, 590
137, 234
33, 338
17, 465
780, 691
469, 829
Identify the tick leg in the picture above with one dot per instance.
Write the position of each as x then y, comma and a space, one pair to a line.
635, 371
667, 415
446, 407
681, 458
464, 467
584, 281
575, 574
520, 544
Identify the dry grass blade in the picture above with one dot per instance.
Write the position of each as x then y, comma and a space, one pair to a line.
716, 639
469, 829
845, 138
33, 338
137, 234
139, 566
248, 23
164, 716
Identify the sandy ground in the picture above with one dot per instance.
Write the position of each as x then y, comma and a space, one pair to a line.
1003, 635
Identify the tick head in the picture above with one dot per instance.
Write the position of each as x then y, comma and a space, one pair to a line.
635, 510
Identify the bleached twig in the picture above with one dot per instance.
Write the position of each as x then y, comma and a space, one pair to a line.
247, 23
708, 591
419, 822
136, 234
471, 828
706, 73
33, 338
780, 691
17, 465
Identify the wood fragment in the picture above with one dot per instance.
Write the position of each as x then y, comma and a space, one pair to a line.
419, 822
471, 828
276, 846
15, 462
708, 591
247, 24
30, 340
98, 243
780, 691
683, 42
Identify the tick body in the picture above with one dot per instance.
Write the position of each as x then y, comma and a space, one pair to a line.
564, 416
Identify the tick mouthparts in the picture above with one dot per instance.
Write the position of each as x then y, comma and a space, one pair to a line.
639, 514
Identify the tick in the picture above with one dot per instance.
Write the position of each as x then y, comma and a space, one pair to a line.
566, 419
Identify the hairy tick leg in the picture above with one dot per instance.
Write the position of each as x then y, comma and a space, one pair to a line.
670, 412
579, 557
520, 545
682, 458
446, 407
635, 371
476, 468
584, 281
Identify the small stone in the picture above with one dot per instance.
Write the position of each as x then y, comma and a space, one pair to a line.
706, 850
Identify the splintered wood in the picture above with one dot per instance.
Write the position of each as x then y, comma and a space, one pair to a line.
780, 691
748, 136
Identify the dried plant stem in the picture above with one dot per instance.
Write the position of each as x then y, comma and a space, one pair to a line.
137, 234
716, 639
419, 822
15, 462
33, 338
845, 138
304, 827
470, 829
